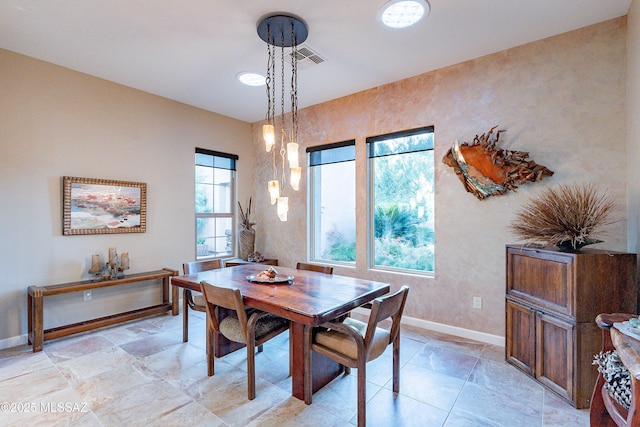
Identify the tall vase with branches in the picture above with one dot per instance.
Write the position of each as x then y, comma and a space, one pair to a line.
246, 234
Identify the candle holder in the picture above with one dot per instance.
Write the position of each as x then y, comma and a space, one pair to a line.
96, 268
114, 268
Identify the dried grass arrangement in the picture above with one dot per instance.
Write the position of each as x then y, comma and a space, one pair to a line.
245, 217
568, 217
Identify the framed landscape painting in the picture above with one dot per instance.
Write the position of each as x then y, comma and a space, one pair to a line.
101, 206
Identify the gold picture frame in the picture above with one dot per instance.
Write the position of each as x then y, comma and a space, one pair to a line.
103, 206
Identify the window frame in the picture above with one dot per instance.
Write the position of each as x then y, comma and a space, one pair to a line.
311, 197
371, 156
224, 158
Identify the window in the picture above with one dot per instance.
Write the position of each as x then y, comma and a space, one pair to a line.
401, 179
332, 207
214, 203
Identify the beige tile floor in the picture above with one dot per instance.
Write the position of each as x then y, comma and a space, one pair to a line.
141, 374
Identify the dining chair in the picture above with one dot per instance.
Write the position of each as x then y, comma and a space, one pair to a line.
353, 343
247, 326
195, 301
232, 263
314, 267
309, 267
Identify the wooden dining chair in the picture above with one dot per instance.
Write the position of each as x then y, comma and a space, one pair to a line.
327, 269
353, 343
309, 267
248, 326
195, 301
232, 263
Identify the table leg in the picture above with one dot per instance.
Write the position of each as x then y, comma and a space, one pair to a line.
185, 315
29, 318
36, 322
175, 303
323, 369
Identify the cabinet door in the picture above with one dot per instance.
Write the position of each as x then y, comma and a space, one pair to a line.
544, 278
521, 339
554, 358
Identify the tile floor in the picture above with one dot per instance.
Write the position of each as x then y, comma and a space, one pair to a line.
141, 374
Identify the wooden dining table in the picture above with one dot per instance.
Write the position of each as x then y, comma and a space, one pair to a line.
310, 299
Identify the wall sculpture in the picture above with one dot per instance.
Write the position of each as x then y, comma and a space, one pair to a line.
486, 170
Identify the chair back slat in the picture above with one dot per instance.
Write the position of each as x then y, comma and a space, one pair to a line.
198, 266
327, 269
228, 298
390, 306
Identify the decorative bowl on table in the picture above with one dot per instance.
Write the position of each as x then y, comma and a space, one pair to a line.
270, 276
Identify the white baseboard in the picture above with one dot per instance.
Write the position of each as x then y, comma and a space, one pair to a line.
448, 329
13, 341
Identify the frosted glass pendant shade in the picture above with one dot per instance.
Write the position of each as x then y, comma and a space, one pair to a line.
295, 178
269, 135
292, 154
283, 208
274, 191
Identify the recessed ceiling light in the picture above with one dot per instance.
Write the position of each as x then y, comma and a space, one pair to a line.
251, 79
403, 13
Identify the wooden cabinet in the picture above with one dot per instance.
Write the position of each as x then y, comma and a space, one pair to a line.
552, 300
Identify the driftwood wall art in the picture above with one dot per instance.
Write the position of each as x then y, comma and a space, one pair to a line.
486, 170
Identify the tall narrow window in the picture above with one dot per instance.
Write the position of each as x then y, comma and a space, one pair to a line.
401, 177
214, 203
332, 207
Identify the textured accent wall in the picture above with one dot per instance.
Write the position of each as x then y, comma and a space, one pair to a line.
562, 99
633, 124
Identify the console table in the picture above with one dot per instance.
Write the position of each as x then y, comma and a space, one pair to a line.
35, 302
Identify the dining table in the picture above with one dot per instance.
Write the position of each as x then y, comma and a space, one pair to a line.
306, 298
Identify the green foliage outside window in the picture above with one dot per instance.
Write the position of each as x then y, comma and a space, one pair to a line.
403, 210
339, 248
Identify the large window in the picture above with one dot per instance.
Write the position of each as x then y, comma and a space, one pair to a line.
401, 177
332, 207
214, 203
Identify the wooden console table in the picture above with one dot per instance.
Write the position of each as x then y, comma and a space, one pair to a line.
35, 301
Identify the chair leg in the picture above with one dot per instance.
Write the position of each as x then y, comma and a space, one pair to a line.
362, 392
210, 341
396, 364
251, 369
308, 343
306, 356
185, 315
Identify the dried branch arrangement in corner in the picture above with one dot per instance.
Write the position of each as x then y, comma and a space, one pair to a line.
486, 170
567, 217
245, 217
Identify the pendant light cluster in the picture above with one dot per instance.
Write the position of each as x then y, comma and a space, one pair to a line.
282, 31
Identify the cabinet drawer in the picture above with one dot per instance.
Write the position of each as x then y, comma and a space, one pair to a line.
545, 280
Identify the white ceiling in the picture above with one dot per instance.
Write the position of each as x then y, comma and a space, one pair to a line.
191, 50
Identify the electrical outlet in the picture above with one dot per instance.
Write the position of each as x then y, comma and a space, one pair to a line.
477, 302
87, 295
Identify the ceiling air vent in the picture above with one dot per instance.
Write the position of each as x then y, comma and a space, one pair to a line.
306, 57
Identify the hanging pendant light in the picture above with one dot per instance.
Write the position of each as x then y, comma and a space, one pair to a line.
295, 177
269, 135
292, 154
283, 208
274, 190
283, 31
